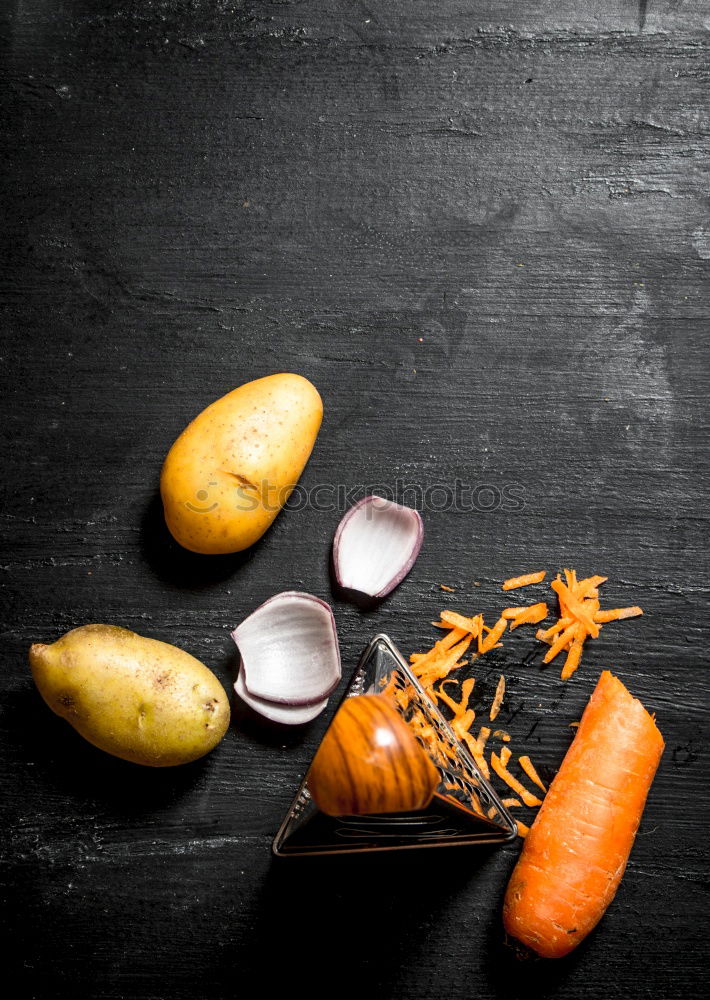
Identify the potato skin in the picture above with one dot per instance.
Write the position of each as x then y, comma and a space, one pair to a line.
136, 698
232, 469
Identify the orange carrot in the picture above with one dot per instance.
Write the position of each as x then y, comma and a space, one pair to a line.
524, 581
576, 852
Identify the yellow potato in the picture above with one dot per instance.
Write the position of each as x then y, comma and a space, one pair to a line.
136, 698
234, 467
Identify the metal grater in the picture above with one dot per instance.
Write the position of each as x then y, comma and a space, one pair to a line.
464, 809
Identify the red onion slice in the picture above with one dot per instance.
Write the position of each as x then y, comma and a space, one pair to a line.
376, 545
288, 715
289, 649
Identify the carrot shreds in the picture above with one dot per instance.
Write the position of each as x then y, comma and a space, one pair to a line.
616, 614
439, 665
497, 699
504, 774
476, 752
500, 734
570, 604
588, 587
528, 767
524, 581
452, 619
452, 638
483, 734
526, 615
505, 755
561, 642
493, 636
523, 830
449, 590
443, 696
580, 617
573, 657
512, 803
423, 659
548, 634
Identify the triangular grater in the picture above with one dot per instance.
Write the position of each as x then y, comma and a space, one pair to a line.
464, 810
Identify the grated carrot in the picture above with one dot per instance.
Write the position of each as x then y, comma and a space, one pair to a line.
476, 748
504, 774
500, 734
512, 803
569, 603
523, 830
493, 636
573, 657
549, 634
439, 666
561, 642
617, 614
497, 699
449, 590
453, 619
524, 581
505, 755
588, 587
528, 767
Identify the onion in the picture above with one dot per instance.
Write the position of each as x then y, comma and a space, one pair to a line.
376, 545
289, 715
289, 649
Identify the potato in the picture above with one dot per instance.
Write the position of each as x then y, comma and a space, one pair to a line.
136, 698
233, 468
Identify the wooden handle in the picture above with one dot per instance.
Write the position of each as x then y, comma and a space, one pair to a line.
370, 762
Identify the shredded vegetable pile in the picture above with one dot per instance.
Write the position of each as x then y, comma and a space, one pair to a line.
580, 617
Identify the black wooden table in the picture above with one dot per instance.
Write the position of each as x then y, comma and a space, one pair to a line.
482, 230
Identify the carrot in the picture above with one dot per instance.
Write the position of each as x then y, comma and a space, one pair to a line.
524, 581
576, 852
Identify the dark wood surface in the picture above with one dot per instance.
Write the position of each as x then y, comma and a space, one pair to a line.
482, 230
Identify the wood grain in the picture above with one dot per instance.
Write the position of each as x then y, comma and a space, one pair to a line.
482, 231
